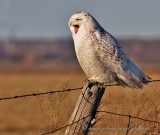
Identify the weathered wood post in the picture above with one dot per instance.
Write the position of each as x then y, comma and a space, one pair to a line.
85, 109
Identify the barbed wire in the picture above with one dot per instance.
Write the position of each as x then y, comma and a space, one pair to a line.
129, 120
40, 93
65, 126
123, 115
126, 115
129, 116
57, 91
108, 85
128, 124
68, 90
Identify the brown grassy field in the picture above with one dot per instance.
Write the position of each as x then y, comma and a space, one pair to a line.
37, 115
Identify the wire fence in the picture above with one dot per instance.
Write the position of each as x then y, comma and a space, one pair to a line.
123, 115
40, 93
57, 91
99, 111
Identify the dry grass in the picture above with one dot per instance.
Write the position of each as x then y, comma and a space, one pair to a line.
36, 115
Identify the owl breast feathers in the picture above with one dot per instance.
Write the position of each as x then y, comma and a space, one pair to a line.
101, 56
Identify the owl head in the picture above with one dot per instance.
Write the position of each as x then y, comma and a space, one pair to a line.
81, 22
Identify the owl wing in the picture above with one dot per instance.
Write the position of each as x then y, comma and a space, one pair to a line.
114, 58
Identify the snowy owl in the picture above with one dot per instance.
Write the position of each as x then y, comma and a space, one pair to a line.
101, 56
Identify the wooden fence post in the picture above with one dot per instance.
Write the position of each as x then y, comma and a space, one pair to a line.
85, 109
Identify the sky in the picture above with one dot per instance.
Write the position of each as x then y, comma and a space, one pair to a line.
48, 19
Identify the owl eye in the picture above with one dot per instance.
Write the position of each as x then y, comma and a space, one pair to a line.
78, 19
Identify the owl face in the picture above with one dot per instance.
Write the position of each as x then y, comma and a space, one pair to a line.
79, 22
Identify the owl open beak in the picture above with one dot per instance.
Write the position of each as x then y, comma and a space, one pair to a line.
76, 28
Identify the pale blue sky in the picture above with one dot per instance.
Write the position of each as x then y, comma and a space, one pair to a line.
49, 18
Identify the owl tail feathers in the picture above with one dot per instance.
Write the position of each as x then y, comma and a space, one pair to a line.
133, 82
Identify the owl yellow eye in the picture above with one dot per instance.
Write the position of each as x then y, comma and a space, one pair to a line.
78, 19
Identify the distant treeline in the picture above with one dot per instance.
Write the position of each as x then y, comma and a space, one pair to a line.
60, 54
